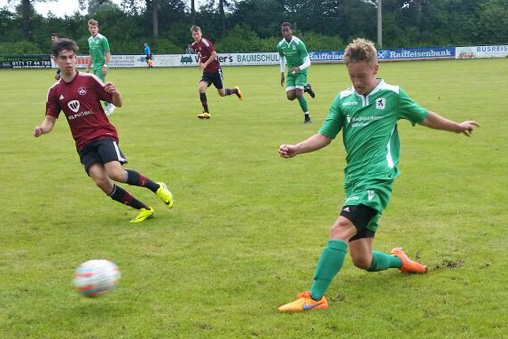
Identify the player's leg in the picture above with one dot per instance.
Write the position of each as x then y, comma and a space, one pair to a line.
300, 82
204, 83
218, 82
329, 264
112, 157
99, 175
290, 87
308, 89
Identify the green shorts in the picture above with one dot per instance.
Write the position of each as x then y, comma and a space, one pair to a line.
373, 193
298, 80
98, 72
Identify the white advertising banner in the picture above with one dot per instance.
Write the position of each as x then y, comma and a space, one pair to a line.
481, 52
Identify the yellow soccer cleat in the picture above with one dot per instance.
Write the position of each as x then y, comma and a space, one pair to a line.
408, 265
165, 195
304, 303
204, 115
239, 93
143, 214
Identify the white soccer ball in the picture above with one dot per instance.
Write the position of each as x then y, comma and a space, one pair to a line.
96, 277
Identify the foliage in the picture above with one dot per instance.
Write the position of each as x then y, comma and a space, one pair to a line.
405, 23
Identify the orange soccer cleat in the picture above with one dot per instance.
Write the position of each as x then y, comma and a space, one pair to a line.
408, 265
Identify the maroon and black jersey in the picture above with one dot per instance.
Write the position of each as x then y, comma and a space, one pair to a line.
204, 48
80, 101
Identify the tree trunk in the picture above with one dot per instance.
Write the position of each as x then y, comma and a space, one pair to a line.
26, 9
222, 16
193, 11
155, 19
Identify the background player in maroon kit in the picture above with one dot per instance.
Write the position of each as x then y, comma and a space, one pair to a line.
212, 72
78, 95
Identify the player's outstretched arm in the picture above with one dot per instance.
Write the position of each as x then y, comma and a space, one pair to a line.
111, 88
314, 143
435, 121
45, 127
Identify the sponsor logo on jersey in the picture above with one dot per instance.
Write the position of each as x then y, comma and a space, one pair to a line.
350, 103
381, 103
73, 105
82, 91
61, 97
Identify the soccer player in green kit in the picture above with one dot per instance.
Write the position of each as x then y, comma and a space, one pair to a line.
100, 55
293, 51
367, 113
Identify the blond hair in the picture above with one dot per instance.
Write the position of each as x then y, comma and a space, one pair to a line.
93, 22
361, 50
195, 28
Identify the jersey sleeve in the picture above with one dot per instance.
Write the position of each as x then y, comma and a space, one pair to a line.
98, 86
209, 47
105, 44
303, 49
279, 50
52, 104
409, 109
333, 122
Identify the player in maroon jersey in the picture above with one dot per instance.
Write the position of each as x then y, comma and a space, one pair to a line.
212, 72
78, 95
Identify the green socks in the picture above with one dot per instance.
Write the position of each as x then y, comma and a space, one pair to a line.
329, 264
382, 261
303, 104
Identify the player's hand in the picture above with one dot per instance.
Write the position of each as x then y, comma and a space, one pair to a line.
201, 67
282, 79
37, 131
104, 70
294, 70
287, 151
110, 87
467, 127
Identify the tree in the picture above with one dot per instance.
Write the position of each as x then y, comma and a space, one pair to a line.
26, 13
193, 11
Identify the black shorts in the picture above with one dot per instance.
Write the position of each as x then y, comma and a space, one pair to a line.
102, 152
360, 216
213, 78
148, 56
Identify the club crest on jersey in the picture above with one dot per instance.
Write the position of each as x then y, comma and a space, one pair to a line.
380, 103
82, 91
73, 105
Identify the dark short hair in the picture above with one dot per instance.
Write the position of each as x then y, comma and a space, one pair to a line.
54, 34
287, 24
64, 44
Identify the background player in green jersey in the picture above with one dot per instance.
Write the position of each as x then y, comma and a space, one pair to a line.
292, 51
100, 55
367, 113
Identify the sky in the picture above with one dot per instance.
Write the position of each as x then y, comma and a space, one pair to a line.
59, 8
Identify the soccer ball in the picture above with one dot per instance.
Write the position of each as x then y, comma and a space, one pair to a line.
95, 277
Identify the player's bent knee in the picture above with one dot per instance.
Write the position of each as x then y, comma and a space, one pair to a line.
362, 262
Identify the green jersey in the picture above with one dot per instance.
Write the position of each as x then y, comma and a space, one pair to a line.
98, 46
294, 51
369, 130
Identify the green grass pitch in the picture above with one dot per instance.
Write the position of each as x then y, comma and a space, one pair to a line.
248, 226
